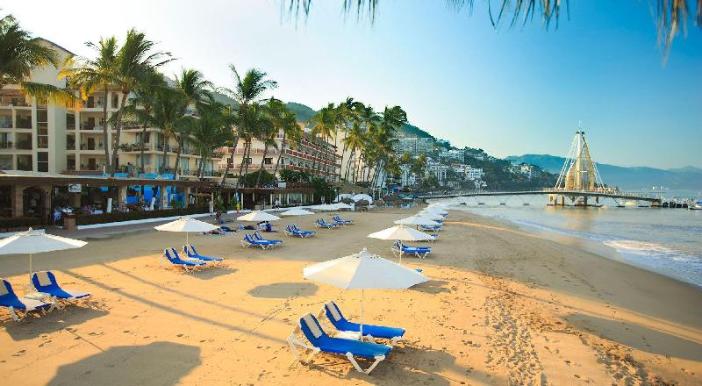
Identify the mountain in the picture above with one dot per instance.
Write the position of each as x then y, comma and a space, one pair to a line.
303, 113
638, 177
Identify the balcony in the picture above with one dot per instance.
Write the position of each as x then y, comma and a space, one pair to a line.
5, 145
134, 147
5, 123
85, 146
13, 100
23, 123
24, 145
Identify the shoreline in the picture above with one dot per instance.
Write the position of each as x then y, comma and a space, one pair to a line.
586, 245
502, 306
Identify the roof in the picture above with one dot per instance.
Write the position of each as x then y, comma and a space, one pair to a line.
54, 45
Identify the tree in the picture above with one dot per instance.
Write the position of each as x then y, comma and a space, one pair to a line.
671, 15
19, 53
89, 75
168, 115
135, 60
268, 130
211, 130
291, 132
195, 87
142, 107
323, 124
247, 92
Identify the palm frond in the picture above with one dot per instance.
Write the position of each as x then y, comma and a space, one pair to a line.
47, 92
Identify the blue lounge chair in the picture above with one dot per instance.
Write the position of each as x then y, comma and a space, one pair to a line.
45, 282
250, 241
337, 219
187, 265
293, 231
430, 228
258, 236
321, 342
400, 248
342, 324
14, 303
321, 223
192, 253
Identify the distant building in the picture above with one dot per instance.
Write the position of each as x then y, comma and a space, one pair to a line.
469, 173
523, 169
407, 177
414, 145
438, 170
452, 155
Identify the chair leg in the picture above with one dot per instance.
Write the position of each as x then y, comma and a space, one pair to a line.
14, 315
358, 368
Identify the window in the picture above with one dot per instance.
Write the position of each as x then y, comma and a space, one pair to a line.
42, 129
247, 161
71, 163
24, 162
6, 162
268, 161
70, 142
43, 161
70, 121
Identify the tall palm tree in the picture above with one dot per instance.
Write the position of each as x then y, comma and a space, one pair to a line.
346, 114
291, 132
210, 131
671, 15
135, 59
248, 91
195, 87
168, 115
354, 141
323, 125
142, 107
89, 75
19, 53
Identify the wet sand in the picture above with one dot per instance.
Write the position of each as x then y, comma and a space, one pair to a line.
503, 307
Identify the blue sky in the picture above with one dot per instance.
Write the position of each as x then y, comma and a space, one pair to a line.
510, 91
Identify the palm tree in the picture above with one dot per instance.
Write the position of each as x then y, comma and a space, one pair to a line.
89, 75
196, 89
323, 124
269, 129
291, 131
671, 15
133, 62
168, 115
354, 141
210, 131
248, 92
142, 107
346, 114
19, 53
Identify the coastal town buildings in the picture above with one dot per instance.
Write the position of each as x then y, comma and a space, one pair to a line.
414, 145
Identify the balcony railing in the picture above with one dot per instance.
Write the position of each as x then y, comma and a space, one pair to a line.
6, 145
23, 123
85, 146
5, 123
24, 145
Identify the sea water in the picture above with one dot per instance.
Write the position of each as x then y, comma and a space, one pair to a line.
667, 241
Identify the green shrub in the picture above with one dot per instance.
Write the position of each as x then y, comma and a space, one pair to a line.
87, 219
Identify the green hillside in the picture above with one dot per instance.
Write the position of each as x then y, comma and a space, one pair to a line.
303, 113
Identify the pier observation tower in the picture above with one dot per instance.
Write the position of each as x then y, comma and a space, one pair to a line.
578, 174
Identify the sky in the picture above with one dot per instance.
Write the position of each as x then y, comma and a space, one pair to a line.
510, 91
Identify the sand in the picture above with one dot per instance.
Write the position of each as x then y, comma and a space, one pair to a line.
503, 307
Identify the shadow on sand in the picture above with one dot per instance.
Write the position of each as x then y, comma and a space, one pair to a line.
432, 287
214, 272
162, 363
638, 337
283, 290
56, 320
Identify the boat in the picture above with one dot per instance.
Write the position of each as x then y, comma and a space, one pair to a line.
695, 205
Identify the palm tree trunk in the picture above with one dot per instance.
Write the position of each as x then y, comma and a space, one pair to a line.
352, 154
141, 144
118, 132
241, 166
231, 161
263, 160
280, 154
106, 134
246, 157
180, 149
164, 162
343, 152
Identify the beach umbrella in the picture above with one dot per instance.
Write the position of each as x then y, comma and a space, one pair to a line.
326, 207
436, 210
363, 271
363, 197
32, 242
401, 233
431, 216
417, 220
343, 205
296, 212
186, 225
258, 216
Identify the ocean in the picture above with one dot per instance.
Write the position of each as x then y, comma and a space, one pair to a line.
666, 241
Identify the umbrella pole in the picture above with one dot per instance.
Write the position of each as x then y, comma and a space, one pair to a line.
361, 329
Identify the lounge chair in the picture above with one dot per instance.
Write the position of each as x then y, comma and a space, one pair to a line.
430, 228
45, 282
192, 253
321, 342
258, 236
14, 303
336, 318
187, 265
435, 236
250, 241
321, 223
293, 231
337, 219
400, 248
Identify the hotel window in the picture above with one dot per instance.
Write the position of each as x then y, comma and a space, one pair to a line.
23, 120
248, 161
268, 161
115, 101
6, 162
24, 162
71, 162
42, 129
43, 161
70, 121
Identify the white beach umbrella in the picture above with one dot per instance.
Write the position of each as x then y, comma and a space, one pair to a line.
342, 205
326, 207
401, 233
258, 216
186, 225
31, 242
431, 216
436, 210
417, 220
296, 212
363, 271
360, 197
